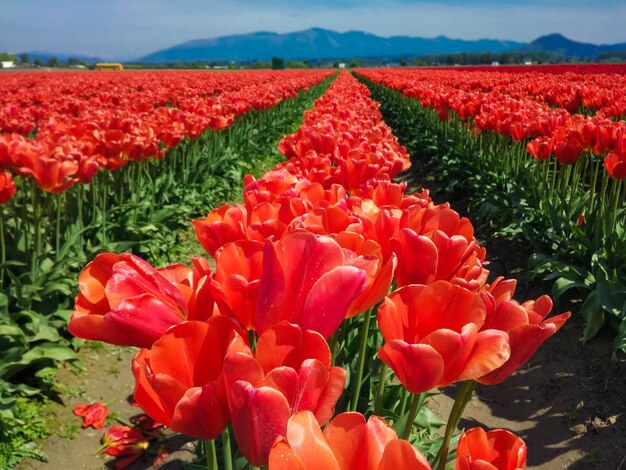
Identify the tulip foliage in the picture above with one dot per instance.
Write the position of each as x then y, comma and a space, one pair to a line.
272, 343
542, 151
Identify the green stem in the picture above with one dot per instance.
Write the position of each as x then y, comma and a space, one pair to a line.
211, 455
380, 389
57, 232
361, 360
416, 404
461, 401
405, 398
228, 456
3, 253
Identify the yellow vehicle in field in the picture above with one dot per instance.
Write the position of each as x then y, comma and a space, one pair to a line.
109, 66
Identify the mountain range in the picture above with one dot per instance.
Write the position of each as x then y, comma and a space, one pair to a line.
320, 44
317, 43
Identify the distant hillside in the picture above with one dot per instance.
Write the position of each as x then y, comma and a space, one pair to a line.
560, 45
44, 56
317, 43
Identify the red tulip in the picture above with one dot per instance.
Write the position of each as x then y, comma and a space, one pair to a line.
290, 372
367, 254
526, 325
494, 450
124, 440
93, 415
237, 278
222, 225
7, 186
433, 338
541, 148
307, 280
435, 243
194, 285
179, 381
348, 442
125, 301
615, 164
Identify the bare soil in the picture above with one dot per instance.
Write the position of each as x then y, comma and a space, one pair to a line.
107, 378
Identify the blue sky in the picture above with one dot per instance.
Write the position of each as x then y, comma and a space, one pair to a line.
131, 28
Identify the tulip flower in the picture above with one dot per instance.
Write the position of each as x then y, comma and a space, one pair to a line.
195, 286
379, 273
237, 278
494, 450
124, 442
433, 336
307, 280
222, 225
290, 371
7, 186
615, 164
179, 381
435, 243
125, 301
93, 415
348, 442
526, 325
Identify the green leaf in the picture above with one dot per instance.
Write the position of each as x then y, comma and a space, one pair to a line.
592, 313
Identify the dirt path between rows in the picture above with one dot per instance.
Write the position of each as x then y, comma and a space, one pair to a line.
107, 378
569, 402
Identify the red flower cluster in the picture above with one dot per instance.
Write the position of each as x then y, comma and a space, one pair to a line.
535, 105
318, 239
87, 121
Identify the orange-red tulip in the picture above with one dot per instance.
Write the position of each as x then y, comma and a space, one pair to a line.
93, 415
195, 286
367, 254
222, 225
347, 443
307, 280
526, 325
494, 450
7, 186
433, 336
125, 301
290, 372
179, 381
237, 278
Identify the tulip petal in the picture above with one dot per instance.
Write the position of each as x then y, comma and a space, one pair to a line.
490, 351
419, 367
259, 417
401, 454
325, 407
346, 434
308, 443
282, 457
202, 412
329, 299
285, 344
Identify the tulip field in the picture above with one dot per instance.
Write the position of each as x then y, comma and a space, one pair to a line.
325, 308
561, 134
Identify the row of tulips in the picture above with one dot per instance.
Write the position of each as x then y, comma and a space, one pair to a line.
46, 238
269, 338
522, 106
576, 201
60, 129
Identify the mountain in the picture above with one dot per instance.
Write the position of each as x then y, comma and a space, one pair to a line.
560, 45
44, 56
318, 43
